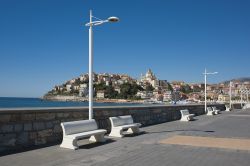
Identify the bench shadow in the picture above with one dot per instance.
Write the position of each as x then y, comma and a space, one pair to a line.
170, 131
134, 135
209, 131
95, 144
194, 119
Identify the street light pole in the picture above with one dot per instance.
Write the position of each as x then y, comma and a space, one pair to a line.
247, 96
230, 95
91, 24
175, 96
241, 97
90, 66
205, 77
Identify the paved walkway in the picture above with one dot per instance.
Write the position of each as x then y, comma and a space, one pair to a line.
147, 149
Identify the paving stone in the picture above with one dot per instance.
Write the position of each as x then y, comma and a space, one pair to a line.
5, 118
27, 126
18, 127
7, 140
23, 138
28, 117
6, 128
45, 116
38, 126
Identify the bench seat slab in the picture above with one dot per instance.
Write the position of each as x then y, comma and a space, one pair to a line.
86, 134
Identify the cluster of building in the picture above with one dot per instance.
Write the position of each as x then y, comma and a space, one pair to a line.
221, 92
161, 90
79, 85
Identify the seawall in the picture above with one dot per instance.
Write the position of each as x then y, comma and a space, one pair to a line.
35, 127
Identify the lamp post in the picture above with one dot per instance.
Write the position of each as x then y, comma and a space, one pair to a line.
230, 95
246, 92
205, 77
247, 96
175, 96
90, 25
241, 98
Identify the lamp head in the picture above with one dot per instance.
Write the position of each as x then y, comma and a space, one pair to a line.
113, 19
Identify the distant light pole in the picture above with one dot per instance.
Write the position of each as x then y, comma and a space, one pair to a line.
247, 96
241, 97
246, 92
91, 24
205, 77
175, 93
230, 94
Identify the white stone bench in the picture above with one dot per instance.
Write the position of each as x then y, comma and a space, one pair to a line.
246, 106
121, 123
216, 111
228, 108
75, 130
210, 111
186, 116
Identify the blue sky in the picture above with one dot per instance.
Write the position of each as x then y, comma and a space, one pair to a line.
45, 42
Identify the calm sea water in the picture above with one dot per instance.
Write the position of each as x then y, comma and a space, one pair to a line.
15, 102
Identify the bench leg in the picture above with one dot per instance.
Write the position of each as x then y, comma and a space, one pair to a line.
210, 113
97, 138
134, 130
69, 143
185, 118
190, 118
116, 133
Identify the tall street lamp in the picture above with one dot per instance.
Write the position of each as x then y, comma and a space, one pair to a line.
205, 77
241, 97
230, 95
90, 25
247, 96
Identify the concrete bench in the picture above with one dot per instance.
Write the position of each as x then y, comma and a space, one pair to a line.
75, 130
228, 108
216, 111
121, 123
186, 116
210, 111
246, 106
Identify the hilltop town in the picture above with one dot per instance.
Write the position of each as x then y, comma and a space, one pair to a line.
123, 88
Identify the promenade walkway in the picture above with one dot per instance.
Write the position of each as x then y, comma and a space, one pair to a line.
208, 141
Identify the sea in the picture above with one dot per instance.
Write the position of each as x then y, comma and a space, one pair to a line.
17, 102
